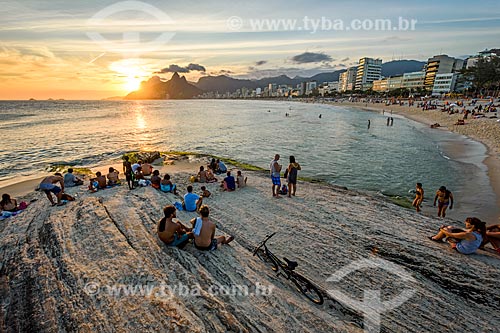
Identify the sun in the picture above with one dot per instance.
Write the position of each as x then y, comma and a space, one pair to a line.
132, 83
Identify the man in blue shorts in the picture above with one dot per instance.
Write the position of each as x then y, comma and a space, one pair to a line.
48, 185
275, 169
173, 233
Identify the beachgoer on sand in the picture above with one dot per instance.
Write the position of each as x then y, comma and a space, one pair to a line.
204, 232
173, 233
275, 169
71, 180
48, 185
465, 241
419, 197
291, 176
192, 201
445, 199
127, 170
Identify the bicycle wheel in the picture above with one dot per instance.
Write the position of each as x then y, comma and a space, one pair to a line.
265, 258
307, 288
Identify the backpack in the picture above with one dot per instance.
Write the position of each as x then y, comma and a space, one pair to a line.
284, 190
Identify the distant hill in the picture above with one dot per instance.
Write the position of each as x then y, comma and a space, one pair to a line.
178, 88
399, 67
175, 88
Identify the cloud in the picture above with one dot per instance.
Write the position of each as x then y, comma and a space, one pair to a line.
345, 59
261, 62
179, 69
311, 57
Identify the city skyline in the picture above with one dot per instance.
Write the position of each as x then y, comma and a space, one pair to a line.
48, 49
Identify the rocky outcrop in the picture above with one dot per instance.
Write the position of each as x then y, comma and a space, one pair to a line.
74, 268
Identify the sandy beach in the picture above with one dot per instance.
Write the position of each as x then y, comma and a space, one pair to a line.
61, 265
484, 130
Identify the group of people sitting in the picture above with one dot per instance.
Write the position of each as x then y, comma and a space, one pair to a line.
202, 230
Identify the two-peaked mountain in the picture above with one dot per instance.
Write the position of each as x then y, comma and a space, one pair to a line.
175, 88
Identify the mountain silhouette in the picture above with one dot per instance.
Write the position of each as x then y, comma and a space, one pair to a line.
175, 88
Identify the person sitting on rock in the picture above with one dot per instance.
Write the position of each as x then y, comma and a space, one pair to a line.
71, 180
138, 173
465, 241
166, 185
205, 193
173, 233
210, 176
136, 165
192, 201
229, 184
147, 169
493, 237
8, 204
204, 232
241, 180
113, 176
97, 183
156, 180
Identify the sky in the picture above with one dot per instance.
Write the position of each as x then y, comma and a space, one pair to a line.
97, 49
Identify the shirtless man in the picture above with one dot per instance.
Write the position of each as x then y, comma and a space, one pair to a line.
173, 233
419, 197
444, 197
204, 232
48, 185
113, 176
275, 169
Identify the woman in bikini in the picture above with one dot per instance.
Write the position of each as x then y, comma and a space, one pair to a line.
445, 199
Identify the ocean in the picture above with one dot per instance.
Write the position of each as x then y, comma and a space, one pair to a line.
337, 148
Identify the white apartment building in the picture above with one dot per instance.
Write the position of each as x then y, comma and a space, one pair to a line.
444, 83
369, 70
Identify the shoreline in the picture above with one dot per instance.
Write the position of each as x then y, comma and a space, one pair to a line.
428, 117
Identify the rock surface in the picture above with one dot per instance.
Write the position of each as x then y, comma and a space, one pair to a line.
58, 265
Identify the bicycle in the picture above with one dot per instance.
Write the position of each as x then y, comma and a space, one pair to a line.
286, 269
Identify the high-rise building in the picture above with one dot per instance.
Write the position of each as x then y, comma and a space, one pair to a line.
369, 70
347, 79
440, 64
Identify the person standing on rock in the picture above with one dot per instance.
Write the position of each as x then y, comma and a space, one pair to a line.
48, 185
127, 170
275, 169
419, 196
292, 171
443, 196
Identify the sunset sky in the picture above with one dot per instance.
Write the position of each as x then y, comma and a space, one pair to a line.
97, 49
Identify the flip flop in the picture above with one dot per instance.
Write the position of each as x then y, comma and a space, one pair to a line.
435, 240
61, 204
230, 239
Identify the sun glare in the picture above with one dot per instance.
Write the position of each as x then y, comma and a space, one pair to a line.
132, 83
131, 72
